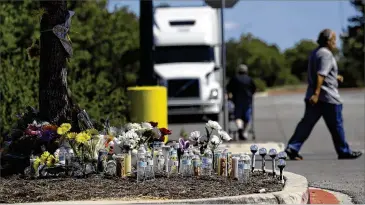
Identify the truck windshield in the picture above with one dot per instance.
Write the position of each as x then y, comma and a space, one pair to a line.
177, 54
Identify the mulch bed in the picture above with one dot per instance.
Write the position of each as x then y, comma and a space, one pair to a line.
15, 189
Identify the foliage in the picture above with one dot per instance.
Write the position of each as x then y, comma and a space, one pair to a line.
352, 61
264, 61
19, 75
96, 75
297, 58
260, 84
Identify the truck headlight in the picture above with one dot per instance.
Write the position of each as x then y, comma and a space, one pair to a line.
213, 94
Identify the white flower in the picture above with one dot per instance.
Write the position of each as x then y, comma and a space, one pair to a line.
157, 133
117, 141
194, 136
202, 139
213, 125
45, 123
146, 125
113, 131
131, 135
132, 126
134, 152
215, 140
224, 135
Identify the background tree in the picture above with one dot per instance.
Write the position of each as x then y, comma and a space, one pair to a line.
297, 58
267, 65
352, 61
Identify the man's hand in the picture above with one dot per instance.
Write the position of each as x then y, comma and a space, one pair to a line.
314, 99
340, 78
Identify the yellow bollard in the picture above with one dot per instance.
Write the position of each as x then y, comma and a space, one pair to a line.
149, 103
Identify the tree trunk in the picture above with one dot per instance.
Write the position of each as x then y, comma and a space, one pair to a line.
55, 104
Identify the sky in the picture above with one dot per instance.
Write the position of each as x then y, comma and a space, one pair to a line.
280, 22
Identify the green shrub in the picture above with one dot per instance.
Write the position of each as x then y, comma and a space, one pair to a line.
260, 84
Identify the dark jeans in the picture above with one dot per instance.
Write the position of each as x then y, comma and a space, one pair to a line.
332, 115
243, 111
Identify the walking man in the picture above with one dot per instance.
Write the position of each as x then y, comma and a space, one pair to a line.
241, 89
322, 99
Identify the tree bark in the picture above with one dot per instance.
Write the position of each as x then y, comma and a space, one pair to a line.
55, 105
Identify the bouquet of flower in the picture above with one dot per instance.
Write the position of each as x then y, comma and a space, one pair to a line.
46, 159
136, 134
210, 140
85, 144
38, 134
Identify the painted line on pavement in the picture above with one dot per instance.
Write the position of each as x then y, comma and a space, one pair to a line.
324, 196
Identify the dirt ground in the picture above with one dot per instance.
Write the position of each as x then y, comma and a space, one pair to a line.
15, 189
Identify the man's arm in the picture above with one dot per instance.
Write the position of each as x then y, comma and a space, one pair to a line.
320, 79
324, 63
231, 85
253, 86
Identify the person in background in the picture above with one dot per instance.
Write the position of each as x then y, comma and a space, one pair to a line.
322, 99
241, 89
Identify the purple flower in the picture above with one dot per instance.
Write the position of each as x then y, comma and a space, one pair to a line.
48, 135
184, 144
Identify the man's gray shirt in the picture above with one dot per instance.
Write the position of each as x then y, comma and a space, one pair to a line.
322, 61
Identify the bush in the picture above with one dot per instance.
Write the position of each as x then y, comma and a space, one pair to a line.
286, 78
260, 84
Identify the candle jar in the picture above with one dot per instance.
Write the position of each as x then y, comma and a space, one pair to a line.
102, 159
127, 155
229, 164
196, 166
121, 171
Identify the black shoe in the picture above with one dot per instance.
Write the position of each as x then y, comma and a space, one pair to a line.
293, 155
240, 135
352, 155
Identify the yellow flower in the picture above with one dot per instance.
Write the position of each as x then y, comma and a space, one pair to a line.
51, 161
82, 137
64, 128
71, 135
44, 157
92, 131
36, 163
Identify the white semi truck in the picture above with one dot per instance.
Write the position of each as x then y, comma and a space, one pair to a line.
188, 59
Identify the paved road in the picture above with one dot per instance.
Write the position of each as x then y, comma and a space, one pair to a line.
275, 120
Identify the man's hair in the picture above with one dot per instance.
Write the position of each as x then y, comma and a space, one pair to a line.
242, 68
324, 36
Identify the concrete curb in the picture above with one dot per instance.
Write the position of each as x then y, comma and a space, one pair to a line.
295, 192
245, 146
261, 94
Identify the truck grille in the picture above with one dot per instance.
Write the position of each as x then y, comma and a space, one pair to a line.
183, 88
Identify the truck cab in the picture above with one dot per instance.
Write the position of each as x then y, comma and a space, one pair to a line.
187, 59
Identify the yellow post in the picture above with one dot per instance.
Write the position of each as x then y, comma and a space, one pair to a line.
148, 103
